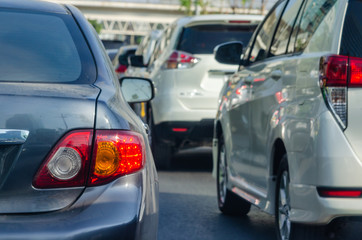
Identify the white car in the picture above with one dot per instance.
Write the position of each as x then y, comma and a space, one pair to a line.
188, 80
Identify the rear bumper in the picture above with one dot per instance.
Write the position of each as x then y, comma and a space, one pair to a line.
116, 211
310, 208
186, 134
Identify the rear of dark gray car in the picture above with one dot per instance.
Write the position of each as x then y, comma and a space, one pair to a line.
62, 121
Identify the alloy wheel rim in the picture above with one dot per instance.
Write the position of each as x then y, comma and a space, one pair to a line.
222, 175
284, 207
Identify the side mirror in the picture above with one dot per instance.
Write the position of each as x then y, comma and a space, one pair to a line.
229, 53
137, 90
136, 61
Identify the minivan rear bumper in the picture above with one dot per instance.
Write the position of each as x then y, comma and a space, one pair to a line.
310, 208
328, 161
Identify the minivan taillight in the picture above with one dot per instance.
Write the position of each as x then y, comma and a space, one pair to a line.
180, 60
337, 73
72, 163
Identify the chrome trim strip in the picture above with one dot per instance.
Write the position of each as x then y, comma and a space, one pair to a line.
13, 136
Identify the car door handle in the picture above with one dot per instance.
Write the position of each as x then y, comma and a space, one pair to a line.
276, 74
13, 136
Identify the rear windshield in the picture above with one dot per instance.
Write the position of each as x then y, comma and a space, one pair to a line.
204, 38
352, 31
39, 47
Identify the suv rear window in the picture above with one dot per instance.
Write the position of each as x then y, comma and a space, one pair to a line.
352, 31
42, 47
204, 38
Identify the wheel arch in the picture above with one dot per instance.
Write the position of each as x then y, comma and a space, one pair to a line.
278, 151
215, 146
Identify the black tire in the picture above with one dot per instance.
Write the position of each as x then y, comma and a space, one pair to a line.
286, 230
162, 153
228, 202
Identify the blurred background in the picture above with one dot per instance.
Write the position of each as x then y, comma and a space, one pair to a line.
120, 22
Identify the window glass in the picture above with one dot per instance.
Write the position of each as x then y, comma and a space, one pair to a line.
280, 42
203, 39
322, 39
293, 37
352, 31
41, 48
313, 15
265, 34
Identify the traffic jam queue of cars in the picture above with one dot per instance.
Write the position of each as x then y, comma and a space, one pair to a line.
76, 162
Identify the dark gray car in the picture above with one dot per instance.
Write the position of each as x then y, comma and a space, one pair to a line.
74, 158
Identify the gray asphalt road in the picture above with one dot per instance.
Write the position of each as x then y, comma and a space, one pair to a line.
188, 208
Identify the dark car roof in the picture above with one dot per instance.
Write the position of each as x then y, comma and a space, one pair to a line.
33, 6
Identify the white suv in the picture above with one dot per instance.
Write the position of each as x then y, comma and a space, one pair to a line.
288, 132
188, 80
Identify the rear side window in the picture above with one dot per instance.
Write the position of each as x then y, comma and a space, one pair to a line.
263, 38
38, 47
286, 24
203, 39
314, 14
352, 30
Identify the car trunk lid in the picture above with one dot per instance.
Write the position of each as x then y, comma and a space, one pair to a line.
34, 116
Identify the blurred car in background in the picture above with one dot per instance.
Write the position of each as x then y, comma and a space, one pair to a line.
138, 66
120, 61
188, 80
288, 129
75, 159
139, 61
111, 53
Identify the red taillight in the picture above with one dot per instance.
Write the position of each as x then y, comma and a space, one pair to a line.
179, 59
339, 193
115, 154
121, 68
355, 72
334, 70
240, 21
69, 164
179, 129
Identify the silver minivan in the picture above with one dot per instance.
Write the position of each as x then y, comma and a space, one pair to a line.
287, 134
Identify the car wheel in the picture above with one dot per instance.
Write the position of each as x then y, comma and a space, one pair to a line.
162, 152
228, 202
286, 230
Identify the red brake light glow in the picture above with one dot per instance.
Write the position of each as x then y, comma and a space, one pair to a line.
339, 193
115, 154
355, 71
179, 129
180, 60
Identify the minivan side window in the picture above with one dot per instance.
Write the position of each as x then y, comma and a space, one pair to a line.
265, 34
293, 37
286, 24
314, 13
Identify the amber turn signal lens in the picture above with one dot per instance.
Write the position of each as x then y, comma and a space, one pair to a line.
107, 160
116, 153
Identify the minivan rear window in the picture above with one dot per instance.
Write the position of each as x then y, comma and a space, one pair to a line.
352, 30
203, 39
43, 47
